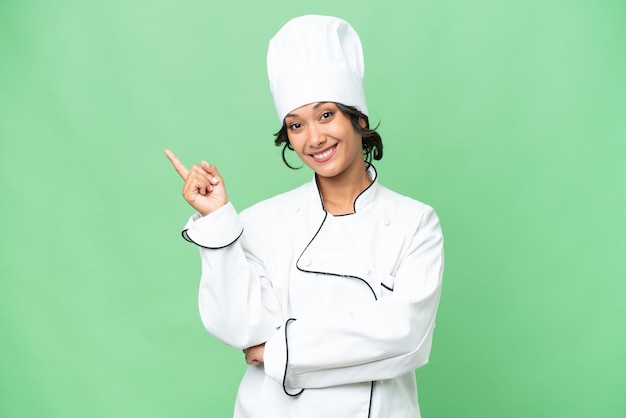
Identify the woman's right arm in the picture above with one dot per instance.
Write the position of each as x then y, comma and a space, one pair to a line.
236, 301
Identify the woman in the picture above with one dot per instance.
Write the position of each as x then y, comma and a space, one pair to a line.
330, 289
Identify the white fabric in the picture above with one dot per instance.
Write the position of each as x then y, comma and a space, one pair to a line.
333, 275
313, 59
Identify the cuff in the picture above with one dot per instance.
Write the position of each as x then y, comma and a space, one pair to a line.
276, 359
217, 230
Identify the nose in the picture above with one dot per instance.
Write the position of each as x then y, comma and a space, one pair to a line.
316, 136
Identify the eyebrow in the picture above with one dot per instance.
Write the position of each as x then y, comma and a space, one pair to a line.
317, 105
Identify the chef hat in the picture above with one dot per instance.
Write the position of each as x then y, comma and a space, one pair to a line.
315, 59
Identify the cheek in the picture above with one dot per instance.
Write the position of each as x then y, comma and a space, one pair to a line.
345, 130
295, 141
297, 144
354, 139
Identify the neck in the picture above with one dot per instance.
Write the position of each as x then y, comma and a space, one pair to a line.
340, 192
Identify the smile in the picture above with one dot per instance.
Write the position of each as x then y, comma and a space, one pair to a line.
325, 155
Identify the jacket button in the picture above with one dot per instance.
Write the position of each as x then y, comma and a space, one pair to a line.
306, 262
387, 222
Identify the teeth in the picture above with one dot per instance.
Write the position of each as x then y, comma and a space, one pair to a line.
324, 154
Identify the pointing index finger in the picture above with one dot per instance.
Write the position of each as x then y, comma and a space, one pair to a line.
178, 165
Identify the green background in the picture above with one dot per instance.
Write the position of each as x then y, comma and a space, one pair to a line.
508, 117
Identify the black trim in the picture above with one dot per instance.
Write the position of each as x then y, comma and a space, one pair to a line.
287, 360
367, 167
342, 275
186, 238
373, 181
327, 273
319, 193
387, 287
369, 410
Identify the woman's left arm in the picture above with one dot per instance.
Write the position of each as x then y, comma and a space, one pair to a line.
385, 339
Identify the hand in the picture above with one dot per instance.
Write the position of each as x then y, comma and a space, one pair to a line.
254, 355
204, 188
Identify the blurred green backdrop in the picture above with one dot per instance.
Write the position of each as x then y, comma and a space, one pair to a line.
508, 117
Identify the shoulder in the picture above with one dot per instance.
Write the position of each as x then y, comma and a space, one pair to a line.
413, 215
399, 203
410, 217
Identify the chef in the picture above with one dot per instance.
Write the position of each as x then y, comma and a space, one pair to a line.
331, 289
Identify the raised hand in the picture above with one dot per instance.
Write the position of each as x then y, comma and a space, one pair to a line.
204, 188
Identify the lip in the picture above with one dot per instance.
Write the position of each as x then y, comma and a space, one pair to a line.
326, 154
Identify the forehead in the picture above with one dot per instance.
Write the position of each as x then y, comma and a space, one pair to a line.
308, 108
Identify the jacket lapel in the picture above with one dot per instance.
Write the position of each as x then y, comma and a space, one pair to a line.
330, 250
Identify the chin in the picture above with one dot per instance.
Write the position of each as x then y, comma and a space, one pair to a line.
327, 172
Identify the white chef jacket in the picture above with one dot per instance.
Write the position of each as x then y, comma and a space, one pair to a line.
345, 304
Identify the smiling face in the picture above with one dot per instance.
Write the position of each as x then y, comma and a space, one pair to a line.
325, 140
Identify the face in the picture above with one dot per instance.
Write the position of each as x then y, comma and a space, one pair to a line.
325, 140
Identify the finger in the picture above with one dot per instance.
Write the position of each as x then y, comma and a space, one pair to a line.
212, 171
178, 165
247, 355
198, 179
197, 182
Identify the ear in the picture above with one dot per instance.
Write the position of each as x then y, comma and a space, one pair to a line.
362, 123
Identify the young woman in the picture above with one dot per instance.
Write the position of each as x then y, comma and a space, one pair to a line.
330, 289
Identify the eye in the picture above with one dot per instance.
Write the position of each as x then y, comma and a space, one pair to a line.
294, 126
326, 115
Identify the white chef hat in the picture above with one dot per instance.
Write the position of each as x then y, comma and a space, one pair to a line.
315, 59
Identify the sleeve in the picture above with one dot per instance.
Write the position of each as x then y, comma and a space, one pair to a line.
385, 339
236, 300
